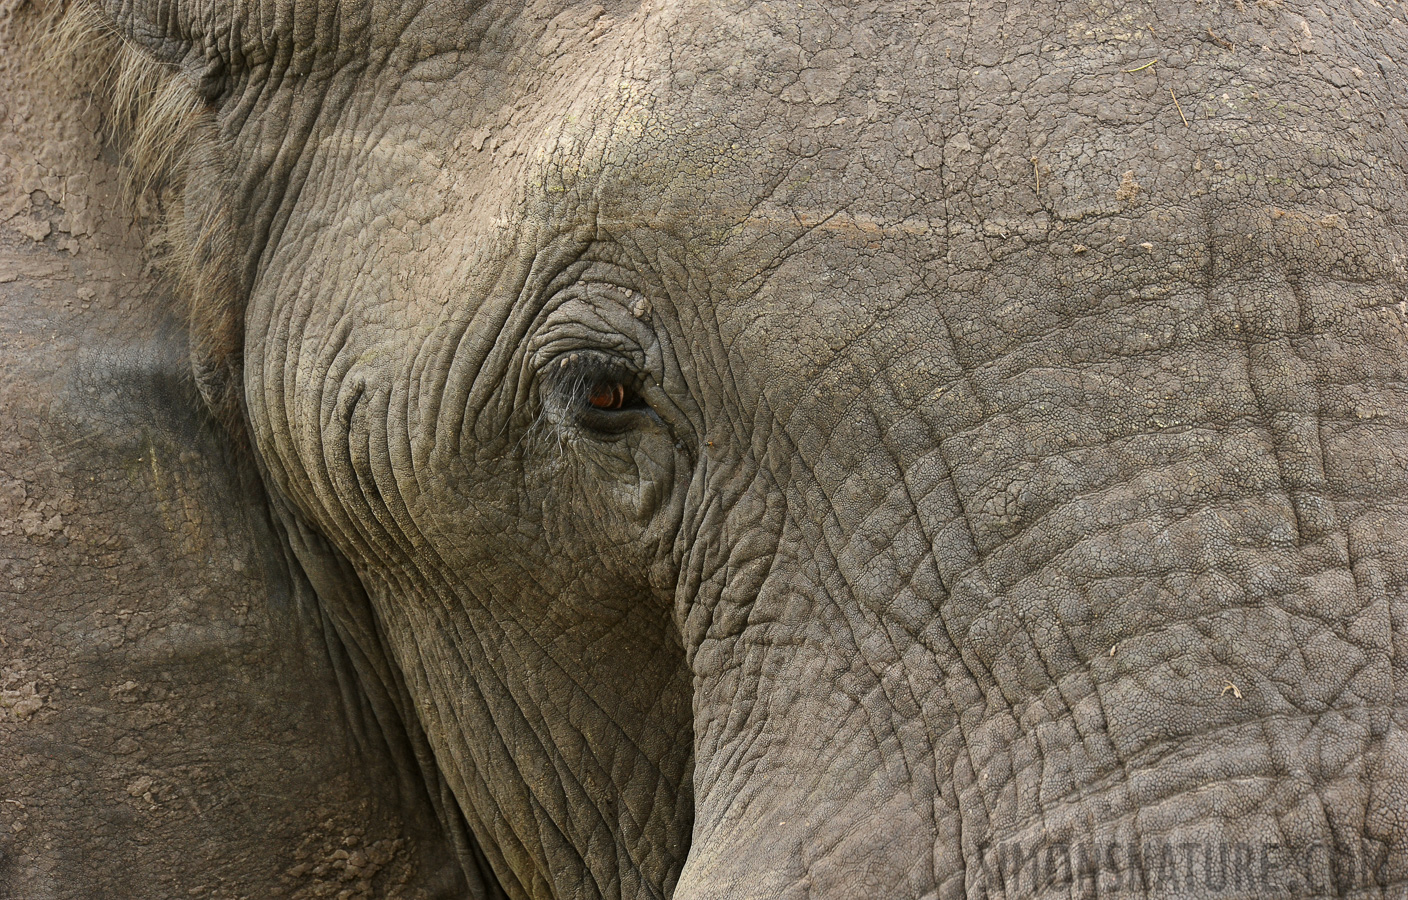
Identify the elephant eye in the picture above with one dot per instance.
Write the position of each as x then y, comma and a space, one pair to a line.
608, 395
602, 394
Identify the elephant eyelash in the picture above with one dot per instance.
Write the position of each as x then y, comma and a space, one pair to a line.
600, 394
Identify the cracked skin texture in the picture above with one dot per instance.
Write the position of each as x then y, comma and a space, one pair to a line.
1019, 448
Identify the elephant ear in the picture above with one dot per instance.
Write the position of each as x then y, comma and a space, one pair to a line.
171, 64
167, 64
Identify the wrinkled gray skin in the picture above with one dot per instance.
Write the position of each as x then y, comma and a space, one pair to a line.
1015, 435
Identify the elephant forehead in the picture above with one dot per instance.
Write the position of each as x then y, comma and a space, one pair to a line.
702, 117
836, 160
866, 156
897, 114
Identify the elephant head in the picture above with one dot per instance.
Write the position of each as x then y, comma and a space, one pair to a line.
790, 450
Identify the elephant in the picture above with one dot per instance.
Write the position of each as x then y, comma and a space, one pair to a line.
736, 450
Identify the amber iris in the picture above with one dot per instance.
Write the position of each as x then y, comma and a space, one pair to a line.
607, 395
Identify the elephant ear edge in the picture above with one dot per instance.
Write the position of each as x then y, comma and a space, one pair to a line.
160, 112
162, 119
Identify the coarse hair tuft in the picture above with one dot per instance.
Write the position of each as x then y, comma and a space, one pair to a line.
173, 163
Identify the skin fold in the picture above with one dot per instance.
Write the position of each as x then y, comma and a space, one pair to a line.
782, 450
